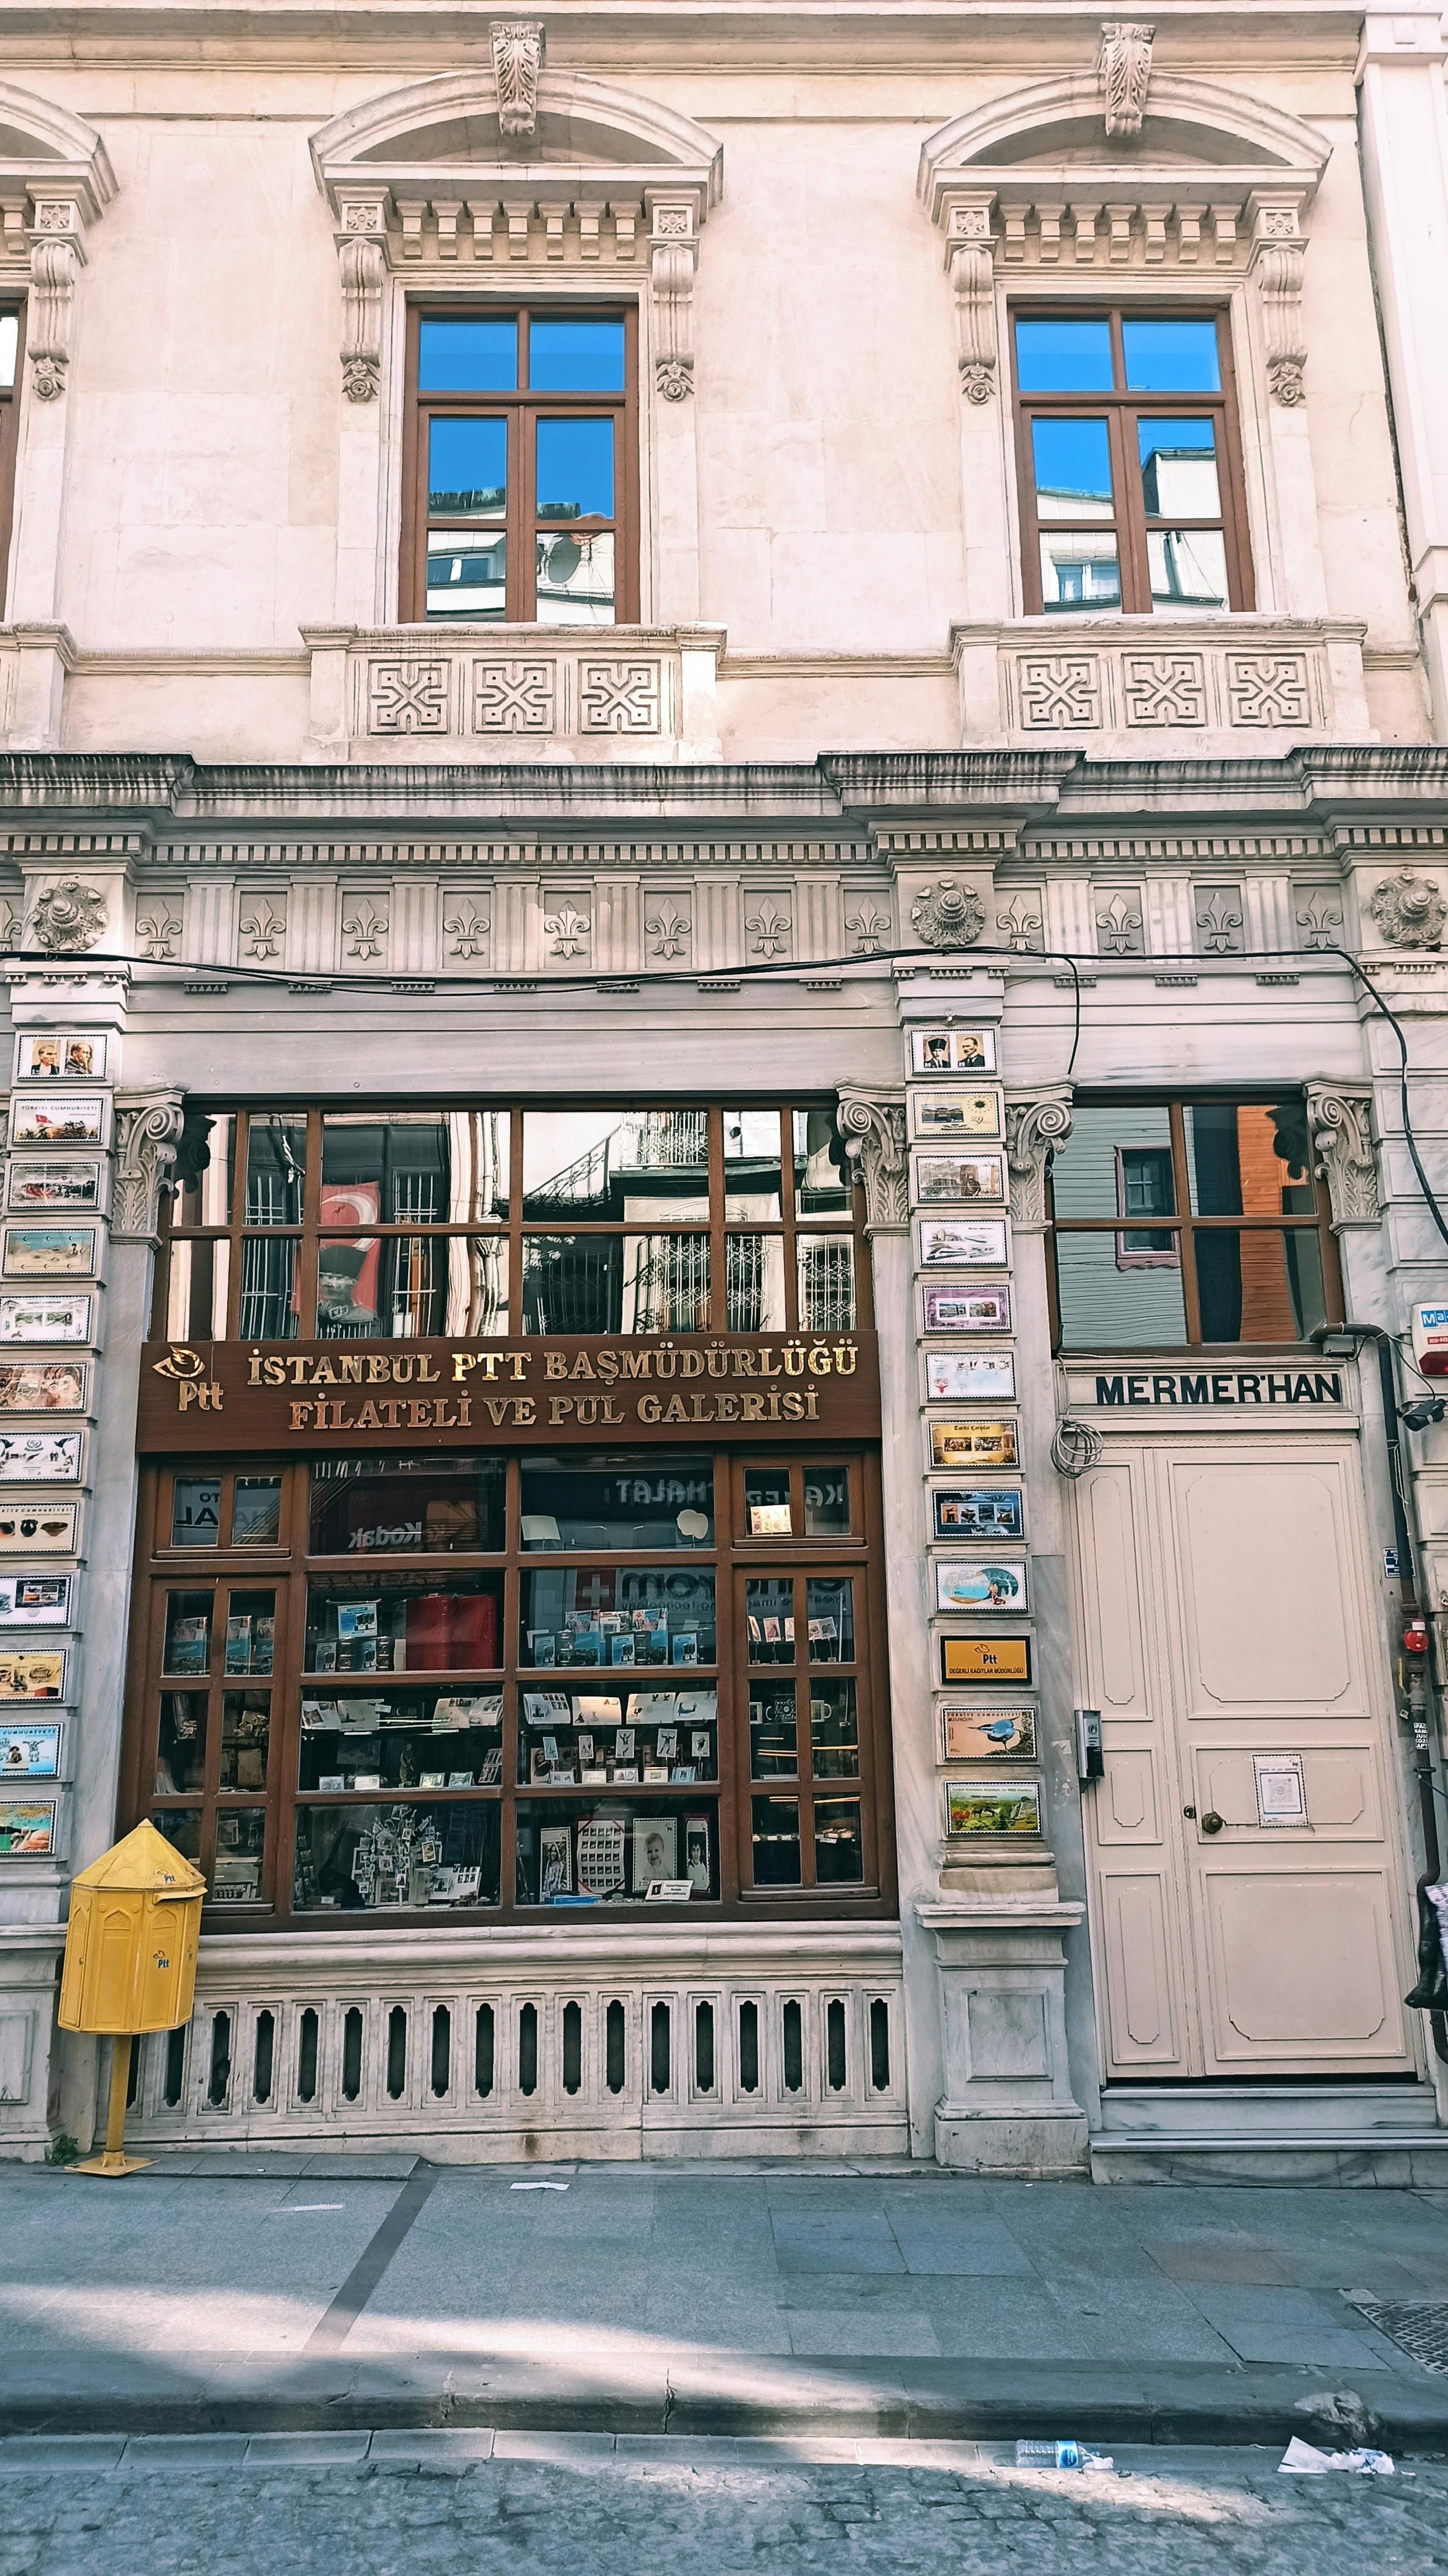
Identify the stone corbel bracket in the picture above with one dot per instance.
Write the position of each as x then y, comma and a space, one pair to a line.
1275, 261
1037, 1126
873, 1133
673, 258
970, 266
1339, 1122
49, 196
148, 1131
361, 239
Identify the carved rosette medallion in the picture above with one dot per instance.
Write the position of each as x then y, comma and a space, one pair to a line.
948, 915
1408, 910
68, 916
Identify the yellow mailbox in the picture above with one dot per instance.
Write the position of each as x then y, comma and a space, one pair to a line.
130, 1960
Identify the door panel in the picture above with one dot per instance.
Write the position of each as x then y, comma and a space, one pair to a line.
1225, 1946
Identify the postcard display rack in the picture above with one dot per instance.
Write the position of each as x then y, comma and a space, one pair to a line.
978, 1570
53, 1235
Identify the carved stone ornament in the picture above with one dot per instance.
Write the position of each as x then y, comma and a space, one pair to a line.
673, 258
68, 916
148, 1131
362, 265
948, 915
1277, 255
517, 56
56, 259
1408, 910
970, 265
1123, 68
873, 1133
1037, 1125
1339, 1121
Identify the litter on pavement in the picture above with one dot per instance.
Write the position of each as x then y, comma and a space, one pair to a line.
540, 2186
1060, 2455
1302, 2459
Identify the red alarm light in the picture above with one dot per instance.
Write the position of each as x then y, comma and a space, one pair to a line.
1415, 1637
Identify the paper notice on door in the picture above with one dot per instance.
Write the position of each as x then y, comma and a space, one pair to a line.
1281, 1797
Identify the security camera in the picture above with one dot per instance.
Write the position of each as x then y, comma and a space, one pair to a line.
1429, 1408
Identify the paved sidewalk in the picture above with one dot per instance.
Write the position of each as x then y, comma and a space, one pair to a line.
647, 2299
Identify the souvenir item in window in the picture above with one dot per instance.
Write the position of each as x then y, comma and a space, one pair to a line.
432, 1779
992, 1807
489, 1777
987, 1734
668, 1891
701, 1745
46, 1318
547, 1708
452, 1886
681, 1774
188, 1645
74, 1187
626, 1774
696, 1853
64, 1118
452, 1632
770, 1520
69, 1056
50, 1251
959, 1180
542, 1646
43, 1386
948, 1117
668, 1743
40, 1675
621, 1648
594, 1708
623, 1744
656, 1775
655, 1850
980, 1583
484, 1708
464, 1779
34, 1600
952, 1050
30, 1752
28, 1832
332, 1780
985, 1659
967, 1310
584, 1748
39, 1529
600, 1856
973, 1444
966, 1377
555, 1863
962, 1243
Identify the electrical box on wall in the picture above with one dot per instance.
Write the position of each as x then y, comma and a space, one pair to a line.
1089, 1762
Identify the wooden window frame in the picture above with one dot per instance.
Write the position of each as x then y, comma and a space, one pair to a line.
1185, 1223
520, 407
1122, 408
10, 445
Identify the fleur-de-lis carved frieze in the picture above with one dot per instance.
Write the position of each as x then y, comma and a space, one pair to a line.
466, 930
669, 930
568, 929
770, 929
263, 931
366, 931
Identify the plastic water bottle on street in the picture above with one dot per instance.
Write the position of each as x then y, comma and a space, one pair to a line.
1058, 2455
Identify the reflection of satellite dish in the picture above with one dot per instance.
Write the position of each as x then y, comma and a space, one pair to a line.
564, 557
692, 1524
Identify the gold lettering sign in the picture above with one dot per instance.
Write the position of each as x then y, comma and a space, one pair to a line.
985, 1659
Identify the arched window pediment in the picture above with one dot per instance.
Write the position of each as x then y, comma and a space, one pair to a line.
55, 179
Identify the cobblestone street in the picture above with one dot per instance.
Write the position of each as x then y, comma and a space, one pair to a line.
578, 2504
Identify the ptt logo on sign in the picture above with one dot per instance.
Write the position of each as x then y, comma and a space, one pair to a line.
1430, 1340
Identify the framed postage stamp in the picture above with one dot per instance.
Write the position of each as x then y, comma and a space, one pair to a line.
957, 1180
40, 1457
965, 1512
986, 1734
59, 1118
62, 1317
971, 1309
29, 1829
974, 1444
37, 1673
981, 1583
954, 1117
31, 1748
38, 1528
43, 1386
35, 1600
962, 1243
74, 1188
952, 1050
68, 1055
50, 1251
992, 1807
969, 1377
985, 1659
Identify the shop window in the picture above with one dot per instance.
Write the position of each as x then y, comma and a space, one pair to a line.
1129, 463
1229, 1238
451, 1682
475, 1223
12, 338
521, 474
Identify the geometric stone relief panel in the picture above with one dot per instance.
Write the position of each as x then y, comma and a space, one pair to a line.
1096, 688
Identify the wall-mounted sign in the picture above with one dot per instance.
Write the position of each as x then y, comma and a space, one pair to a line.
973, 1444
946, 1117
992, 1807
67, 1055
36, 1675
985, 1659
1281, 1791
34, 1600
268, 1395
38, 1529
1285, 1387
969, 1377
55, 1315
990, 1512
986, 1734
40, 1457
952, 1050
962, 1242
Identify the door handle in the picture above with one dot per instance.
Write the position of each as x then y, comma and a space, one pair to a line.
1211, 1822
1190, 1811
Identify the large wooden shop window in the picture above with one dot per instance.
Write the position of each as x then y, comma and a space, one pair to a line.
1190, 1221
413, 1684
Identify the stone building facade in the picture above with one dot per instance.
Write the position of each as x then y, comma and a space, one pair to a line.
719, 814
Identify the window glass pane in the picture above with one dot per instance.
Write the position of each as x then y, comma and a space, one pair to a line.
1079, 572
195, 1511
236, 1871
769, 1619
393, 1623
187, 1647
1179, 469
276, 1151
826, 1501
400, 1739
751, 1163
467, 357
9, 346
423, 1169
1110, 1300
649, 1499
822, 1184
754, 1283
826, 1282
402, 1287
1071, 462
466, 579
649, 1737
1063, 357
1188, 569
1171, 356
768, 1512
830, 1605
205, 1198
773, 1733
250, 1632
616, 1615
1089, 1176
575, 357
631, 1283
834, 1732
467, 468
775, 1842
571, 1852
575, 581
379, 1506
181, 1742
268, 1307
575, 469
245, 1732
1258, 1285
838, 1849
405, 1854
181, 1828
256, 1511
597, 1166
196, 1281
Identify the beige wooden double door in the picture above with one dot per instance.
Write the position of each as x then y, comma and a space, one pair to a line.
1223, 1613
